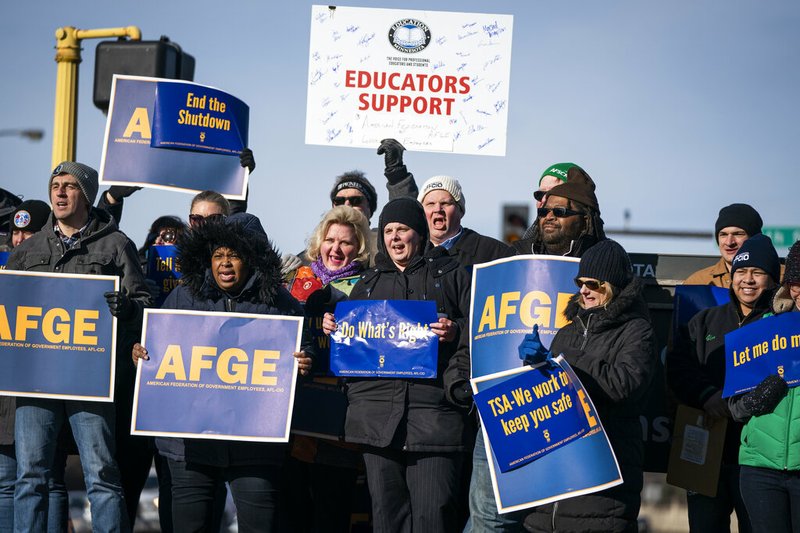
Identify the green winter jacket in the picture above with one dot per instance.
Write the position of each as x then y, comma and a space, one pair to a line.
773, 440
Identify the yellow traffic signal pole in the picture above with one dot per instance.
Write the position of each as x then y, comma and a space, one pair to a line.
68, 55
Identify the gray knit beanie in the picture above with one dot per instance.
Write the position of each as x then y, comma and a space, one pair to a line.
84, 174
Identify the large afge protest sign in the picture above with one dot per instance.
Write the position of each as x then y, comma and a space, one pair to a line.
211, 375
435, 81
57, 336
544, 439
174, 135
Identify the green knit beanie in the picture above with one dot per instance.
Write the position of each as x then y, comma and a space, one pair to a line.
559, 171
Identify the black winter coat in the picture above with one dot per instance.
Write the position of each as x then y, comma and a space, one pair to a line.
262, 294
473, 248
419, 415
696, 363
613, 351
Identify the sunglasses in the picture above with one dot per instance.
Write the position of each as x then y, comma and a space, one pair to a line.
168, 236
199, 220
558, 212
355, 201
591, 284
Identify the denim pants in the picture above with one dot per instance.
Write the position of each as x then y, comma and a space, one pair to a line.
38, 423
483, 515
772, 498
58, 510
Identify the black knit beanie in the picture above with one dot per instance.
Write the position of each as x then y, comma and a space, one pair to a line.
30, 215
405, 211
758, 251
356, 180
738, 216
607, 261
792, 272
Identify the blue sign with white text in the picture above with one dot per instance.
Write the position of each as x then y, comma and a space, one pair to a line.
385, 338
129, 159
532, 414
57, 336
4, 259
765, 347
232, 378
192, 117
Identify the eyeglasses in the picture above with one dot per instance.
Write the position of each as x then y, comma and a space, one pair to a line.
558, 212
167, 236
591, 284
355, 201
199, 220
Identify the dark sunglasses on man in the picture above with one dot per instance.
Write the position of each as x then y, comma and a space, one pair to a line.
558, 212
355, 201
198, 220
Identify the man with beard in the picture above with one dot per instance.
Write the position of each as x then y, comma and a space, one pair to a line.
569, 222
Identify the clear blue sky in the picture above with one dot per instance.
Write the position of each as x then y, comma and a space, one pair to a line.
674, 108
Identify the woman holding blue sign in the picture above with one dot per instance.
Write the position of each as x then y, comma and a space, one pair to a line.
769, 454
322, 473
228, 265
414, 431
611, 345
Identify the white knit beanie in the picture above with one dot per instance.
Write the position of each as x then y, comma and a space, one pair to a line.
444, 183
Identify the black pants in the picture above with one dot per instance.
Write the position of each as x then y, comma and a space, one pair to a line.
413, 491
255, 490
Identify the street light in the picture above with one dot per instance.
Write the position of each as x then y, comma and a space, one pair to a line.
33, 135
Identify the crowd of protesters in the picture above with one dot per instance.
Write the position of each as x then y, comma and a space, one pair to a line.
417, 440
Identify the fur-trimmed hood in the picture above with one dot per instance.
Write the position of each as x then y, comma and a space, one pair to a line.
782, 302
627, 304
241, 232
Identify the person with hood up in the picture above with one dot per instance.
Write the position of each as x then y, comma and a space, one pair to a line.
414, 431
611, 345
228, 265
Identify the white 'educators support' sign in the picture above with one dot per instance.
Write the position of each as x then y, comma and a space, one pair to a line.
435, 81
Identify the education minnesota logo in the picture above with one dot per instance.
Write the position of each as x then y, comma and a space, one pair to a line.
409, 36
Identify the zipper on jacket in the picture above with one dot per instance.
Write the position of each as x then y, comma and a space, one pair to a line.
786, 436
585, 330
553, 521
229, 307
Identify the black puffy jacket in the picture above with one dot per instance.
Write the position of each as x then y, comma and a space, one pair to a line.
263, 293
613, 352
418, 415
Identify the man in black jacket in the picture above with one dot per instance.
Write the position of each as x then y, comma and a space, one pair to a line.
76, 239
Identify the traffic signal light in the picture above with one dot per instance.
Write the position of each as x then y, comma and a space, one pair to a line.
157, 59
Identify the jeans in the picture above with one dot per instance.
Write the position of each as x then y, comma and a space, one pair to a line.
195, 490
772, 498
707, 514
483, 515
38, 423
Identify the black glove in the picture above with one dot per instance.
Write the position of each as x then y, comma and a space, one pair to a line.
461, 393
766, 396
120, 305
392, 151
118, 192
247, 160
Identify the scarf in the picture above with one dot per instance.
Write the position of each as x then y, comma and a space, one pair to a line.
326, 275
